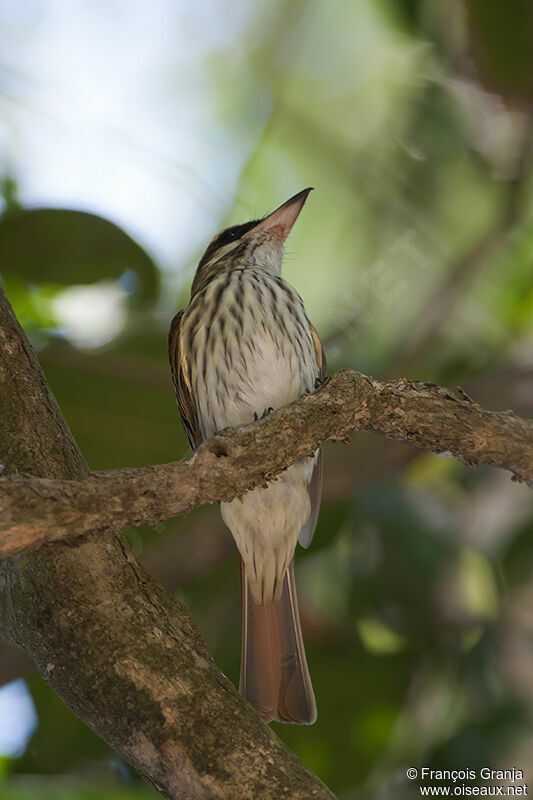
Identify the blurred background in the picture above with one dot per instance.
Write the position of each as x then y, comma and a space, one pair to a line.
130, 133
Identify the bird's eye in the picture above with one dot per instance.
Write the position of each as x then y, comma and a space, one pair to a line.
228, 236
232, 234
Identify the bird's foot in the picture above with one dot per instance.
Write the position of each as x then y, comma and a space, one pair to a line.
265, 413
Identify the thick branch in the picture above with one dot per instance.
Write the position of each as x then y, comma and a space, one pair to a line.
116, 647
34, 511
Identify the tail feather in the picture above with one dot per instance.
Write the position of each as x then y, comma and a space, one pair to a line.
274, 673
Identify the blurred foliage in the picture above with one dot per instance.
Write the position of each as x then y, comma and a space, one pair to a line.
412, 120
502, 45
44, 250
72, 247
66, 789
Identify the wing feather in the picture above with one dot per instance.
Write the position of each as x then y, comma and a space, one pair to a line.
319, 353
181, 378
315, 484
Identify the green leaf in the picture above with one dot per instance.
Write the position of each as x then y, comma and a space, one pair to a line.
61, 246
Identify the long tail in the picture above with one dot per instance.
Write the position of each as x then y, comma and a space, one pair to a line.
274, 674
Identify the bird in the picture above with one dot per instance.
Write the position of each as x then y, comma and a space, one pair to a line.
243, 347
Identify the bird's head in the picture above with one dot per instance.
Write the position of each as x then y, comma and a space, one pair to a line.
257, 243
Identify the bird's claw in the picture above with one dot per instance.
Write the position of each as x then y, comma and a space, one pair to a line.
265, 413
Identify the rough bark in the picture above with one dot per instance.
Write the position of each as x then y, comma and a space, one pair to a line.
34, 511
114, 645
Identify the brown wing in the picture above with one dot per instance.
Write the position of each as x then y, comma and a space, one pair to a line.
315, 485
319, 353
179, 366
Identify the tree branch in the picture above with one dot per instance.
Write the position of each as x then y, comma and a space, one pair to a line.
34, 511
116, 647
